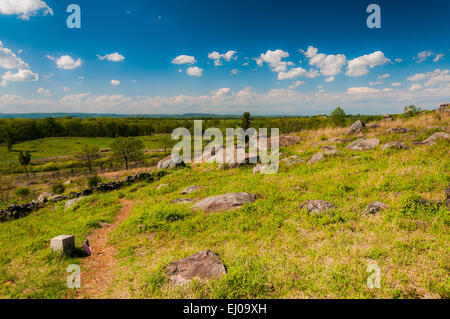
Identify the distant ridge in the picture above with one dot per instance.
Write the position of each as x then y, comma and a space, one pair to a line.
87, 115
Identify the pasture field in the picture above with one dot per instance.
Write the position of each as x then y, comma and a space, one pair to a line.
271, 248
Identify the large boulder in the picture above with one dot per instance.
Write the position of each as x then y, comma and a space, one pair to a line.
315, 158
364, 144
204, 265
396, 145
170, 161
398, 130
224, 202
316, 206
191, 189
432, 139
374, 208
356, 128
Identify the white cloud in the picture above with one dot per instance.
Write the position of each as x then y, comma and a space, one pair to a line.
115, 82
398, 60
8, 60
194, 71
114, 57
24, 8
21, 76
273, 58
43, 91
360, 66
415, 87
184, 59
329, 79
376, 83
234, 71
438, 57
296, 72
396, 84
227, 56
295, 84
384, 76
436, 77
66, 62
329, 65
362, 90
66, 89
422, 56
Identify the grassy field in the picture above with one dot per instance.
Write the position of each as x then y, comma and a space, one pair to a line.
271, 248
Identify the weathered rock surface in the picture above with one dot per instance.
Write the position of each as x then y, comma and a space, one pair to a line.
204, 265
396, 145
364, 144
329, 149
315, 158
316, 206
292, 160
356, 128
72, 202
170, 161
43, 198
191, 189
181, 201
374, 208
398, 130
288, 140
432, 139
224, 202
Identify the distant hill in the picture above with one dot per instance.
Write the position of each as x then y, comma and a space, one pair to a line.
87, 115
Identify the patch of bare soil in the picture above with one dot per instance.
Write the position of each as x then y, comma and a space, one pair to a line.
98, 269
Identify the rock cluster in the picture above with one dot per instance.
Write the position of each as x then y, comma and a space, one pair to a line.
316, 206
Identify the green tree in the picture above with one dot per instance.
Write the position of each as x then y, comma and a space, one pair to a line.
88, 155
127, 149
337, 117
245, 122
411, 110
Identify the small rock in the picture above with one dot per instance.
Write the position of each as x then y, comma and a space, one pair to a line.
43, 197
68, 182
315, 158
204, 265
224, 202
72, 202
181, 201
356, 128
364, 144
396, 145
292, 160
329, 149
374, 208
162, 186
316, 206
191, 189
398, 130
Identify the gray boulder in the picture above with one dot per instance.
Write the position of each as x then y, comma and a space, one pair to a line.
398, 130
432, 139
315, 158
72, 202
191, 189
292, 160
329, 149
364, 144
374, 208
396, 145
203, 265
224, 202
181, 201
316, 206
170, 161
356, 128
43, 198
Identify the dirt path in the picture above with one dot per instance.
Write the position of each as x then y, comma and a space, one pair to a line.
97, 270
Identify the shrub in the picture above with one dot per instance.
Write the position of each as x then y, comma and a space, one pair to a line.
93, 181
23, 192
58, 188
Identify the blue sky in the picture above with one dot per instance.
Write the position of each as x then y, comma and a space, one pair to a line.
266, 57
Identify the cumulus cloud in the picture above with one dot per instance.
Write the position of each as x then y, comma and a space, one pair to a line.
66, 62
114, 57
234, 71
360, 66
184, 59
415, 87
9, 60
422, 56
296, 72
329, 79
20, 76
24, 8
396, 84
329, 65
384, 76
194, 71
361, 90
43, 91
436, 77
438, 57
217, 57
398, 60
295, 84
274, 59
115, 82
